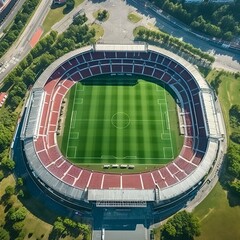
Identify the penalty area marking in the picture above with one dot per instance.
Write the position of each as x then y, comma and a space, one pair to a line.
79, 101
166, 152
74, 135
161, 101
73, 120
72, 152
80, 88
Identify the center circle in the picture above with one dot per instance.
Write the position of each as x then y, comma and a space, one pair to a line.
120, 120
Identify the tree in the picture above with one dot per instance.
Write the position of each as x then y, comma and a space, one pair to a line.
58, 228
102, 15
4, 235
235, 186
228, 36
182, 226
17, 226
216, 83
28, 76
79, 19
21, 193
70, 4
18, 215
1, 175
233, 155
19, 182
234, 114
9, 190
235, 137
14, 101
8, 163
44, 61
5, 137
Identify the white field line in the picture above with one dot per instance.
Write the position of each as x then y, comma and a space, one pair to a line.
168, 122
71, 121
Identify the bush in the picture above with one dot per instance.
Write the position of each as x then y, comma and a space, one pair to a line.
4, 234
1, 175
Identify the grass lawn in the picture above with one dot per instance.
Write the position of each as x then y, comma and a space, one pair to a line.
34, 228
229, 92
111, 122
98, 30
134, 17
55, 15
219, 220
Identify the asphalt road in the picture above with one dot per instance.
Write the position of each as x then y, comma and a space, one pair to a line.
21, 48
11, 15
227, 59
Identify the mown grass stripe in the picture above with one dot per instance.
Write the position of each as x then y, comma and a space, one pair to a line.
90, 138
119, 126
97, 135
106, 110
155, 127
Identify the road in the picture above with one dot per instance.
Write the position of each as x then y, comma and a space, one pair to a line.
225, 58
11, 15
21, 48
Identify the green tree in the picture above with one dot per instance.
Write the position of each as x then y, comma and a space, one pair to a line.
28, 77
235, 186
235, 137
58, 228
234, 114
79, 19
21, 193
1, 175
19, 182
17, 226
9, 190
233, 156
182, 226
4, 235
5, 137
18, 215
70, 4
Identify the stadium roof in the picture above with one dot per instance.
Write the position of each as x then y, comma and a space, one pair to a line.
31, 120
121, 195
3, 97
211, 114
127, 47
195, 177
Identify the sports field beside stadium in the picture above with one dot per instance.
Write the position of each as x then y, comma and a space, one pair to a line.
120, 120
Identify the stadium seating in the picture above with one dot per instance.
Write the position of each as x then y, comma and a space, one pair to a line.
148, 63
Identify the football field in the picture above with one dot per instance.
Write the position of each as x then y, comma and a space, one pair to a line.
120, 120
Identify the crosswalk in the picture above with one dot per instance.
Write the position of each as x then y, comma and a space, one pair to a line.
12, 61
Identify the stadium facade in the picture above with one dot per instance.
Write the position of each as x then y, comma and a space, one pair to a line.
199, 120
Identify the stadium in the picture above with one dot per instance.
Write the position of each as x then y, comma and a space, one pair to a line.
200, 122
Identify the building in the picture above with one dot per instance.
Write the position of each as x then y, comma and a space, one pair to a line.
3, 97
145, 193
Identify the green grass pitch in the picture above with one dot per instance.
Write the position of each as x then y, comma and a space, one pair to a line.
120, 120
